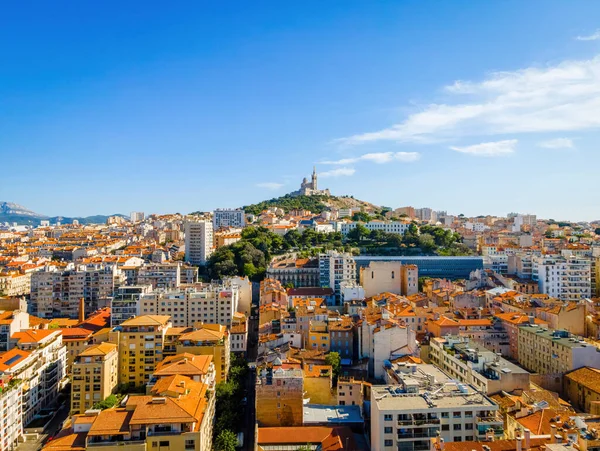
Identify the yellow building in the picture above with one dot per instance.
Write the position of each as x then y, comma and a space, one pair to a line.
141, 342
279, 396
177, 415
95, 376
76, 340
199, 368
210, 339
318, 384
318, 336
582, 389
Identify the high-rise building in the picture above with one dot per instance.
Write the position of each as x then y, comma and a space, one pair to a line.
198, 241
55, 292
95, 376
137, 216
568, 278
126, 303
228, 218
335, 268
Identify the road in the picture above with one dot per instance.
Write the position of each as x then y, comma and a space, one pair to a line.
250, 415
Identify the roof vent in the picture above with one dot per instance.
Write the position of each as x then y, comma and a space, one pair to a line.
159, 400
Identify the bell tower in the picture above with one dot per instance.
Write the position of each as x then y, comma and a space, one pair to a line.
314, 178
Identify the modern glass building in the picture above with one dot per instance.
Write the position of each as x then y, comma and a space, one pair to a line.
436, 266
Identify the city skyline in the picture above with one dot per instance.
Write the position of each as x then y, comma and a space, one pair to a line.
474, 109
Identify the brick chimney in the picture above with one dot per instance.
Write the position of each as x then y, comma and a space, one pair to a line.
81, 310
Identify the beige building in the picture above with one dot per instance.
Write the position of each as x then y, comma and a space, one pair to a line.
582, 389
211, 339
15, 284
553, 353
141, 342
95, 376
391, 277
279, 396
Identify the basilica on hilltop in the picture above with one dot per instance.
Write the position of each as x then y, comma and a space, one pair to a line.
311, 188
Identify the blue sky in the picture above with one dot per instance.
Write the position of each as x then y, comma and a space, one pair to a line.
471, 107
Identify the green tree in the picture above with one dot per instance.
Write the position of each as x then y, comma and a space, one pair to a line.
108, 402
306, 447
597, 231
361, 216
333, 359
358, 233
226, 441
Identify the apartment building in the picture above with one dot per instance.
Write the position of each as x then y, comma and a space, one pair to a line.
199, 368
279, 396
300, 272
95, 376
408, 415
177, 414
14, 283
391, 277
229, 218
566, 277
469, 362
582, 389
40, 362
511, 321
239, 336
343, 339
141, 341
56, 292
214, 303
126, 303
136, 216
335, 268
11, 399
198, 241
554, 352
211, 339
396, 227
12, 321
160, 275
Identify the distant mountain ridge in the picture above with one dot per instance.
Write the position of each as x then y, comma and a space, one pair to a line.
11, 212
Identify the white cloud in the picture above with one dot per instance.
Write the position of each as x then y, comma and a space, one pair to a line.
491, 149
563, 97
379, 158
270, 185
592, 37
558, 143
339, 172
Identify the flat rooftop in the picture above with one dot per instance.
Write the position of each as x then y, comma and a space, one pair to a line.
321, 414
560, 337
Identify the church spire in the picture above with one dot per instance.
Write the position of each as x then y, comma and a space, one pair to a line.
314, 178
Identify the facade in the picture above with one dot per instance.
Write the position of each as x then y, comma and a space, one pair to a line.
11, 408
434, 267
208, 304
407, 416
40, 362
396, 227
126, 303
279, 396
95, 376
56, 293
239, 337
567, 278
343, 339
160, 275
554, 352
198, 241
228, 218
136, 216
335, 268
15, 284
300, 272
390, 277
141, 342
211, 339
581, 388
471, 363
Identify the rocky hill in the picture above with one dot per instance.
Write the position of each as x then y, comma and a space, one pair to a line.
316, 204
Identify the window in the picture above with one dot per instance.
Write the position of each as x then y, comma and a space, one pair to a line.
388, 443
387, 417
457, 438
469, 438
154, 444
190, 444
163, 443
445, 427
457, 427
469, 426
456, 414
387, 430
445, 414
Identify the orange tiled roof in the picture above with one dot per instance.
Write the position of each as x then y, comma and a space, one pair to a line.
14, 356
32, 335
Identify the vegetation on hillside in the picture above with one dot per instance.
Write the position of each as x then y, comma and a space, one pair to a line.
251, 255
315, 204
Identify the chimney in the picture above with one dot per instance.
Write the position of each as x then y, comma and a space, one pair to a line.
527, 434
553, 434
441, 443
519, 443
81, 310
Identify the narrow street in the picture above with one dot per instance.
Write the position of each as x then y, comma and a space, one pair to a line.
250, 414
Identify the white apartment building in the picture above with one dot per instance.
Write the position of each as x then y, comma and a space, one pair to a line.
198, 241
422, 405
567, 278
520, 220
469, 362
554, 352
126, 303
351, 291
335, 268
385, 226
229, 218
209, 304
15, 284
160, 275
39, 360
426, 214
55, 292
11, 409
137, 216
